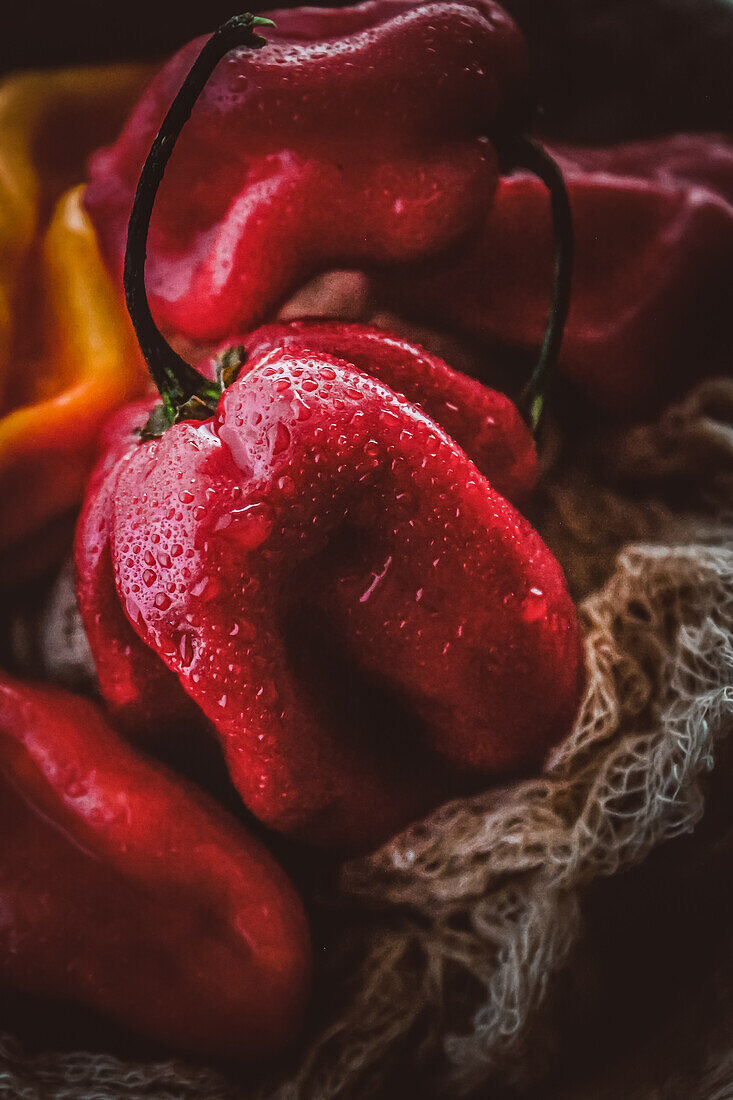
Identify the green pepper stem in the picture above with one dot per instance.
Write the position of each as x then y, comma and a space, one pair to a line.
177, 381
527, 154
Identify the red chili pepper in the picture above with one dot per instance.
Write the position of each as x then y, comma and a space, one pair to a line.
303, 537
144, 697
124, 890
316, 492
484, 422
653, 269
360, 135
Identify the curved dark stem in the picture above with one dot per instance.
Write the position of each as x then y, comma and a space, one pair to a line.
178, 382
529, 155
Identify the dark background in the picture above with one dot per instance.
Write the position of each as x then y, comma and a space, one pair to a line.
604, 68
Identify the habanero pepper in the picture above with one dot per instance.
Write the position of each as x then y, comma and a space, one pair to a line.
144, 697
127, 891
305, 495
316, 493
360, 136
484, 422
67, 352
650, 312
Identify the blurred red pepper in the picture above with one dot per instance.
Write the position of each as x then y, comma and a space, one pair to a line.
360, 135
67, 351
653, 272
124, 890
89, 365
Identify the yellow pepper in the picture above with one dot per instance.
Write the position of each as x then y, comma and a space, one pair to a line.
67, 352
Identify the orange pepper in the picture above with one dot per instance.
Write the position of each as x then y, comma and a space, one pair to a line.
67, 353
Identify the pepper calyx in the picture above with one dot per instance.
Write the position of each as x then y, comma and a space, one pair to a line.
228, 365
201, 405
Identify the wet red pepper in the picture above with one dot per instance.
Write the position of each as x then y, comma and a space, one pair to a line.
126, 891
145, 698
316, 494
360, 616
653, 269
484, 422
359, 136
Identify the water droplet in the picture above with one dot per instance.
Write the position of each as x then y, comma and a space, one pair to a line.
250, 526
376, 581
534, 605
186, 650
134, 611
279, 437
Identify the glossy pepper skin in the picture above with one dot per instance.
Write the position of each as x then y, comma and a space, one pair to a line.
67, 351
484, 422
650, 307
144, 696
128, 892
359, 136
318, 495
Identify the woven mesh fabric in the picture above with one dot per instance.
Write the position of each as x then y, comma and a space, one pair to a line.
447, 938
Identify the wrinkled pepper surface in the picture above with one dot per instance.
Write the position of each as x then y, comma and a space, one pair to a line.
126, 891
145, 698
318, 499
650, 307
359, 136
484, 422
67, 352
317, 564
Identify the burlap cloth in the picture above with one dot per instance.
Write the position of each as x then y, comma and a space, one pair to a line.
442, 949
